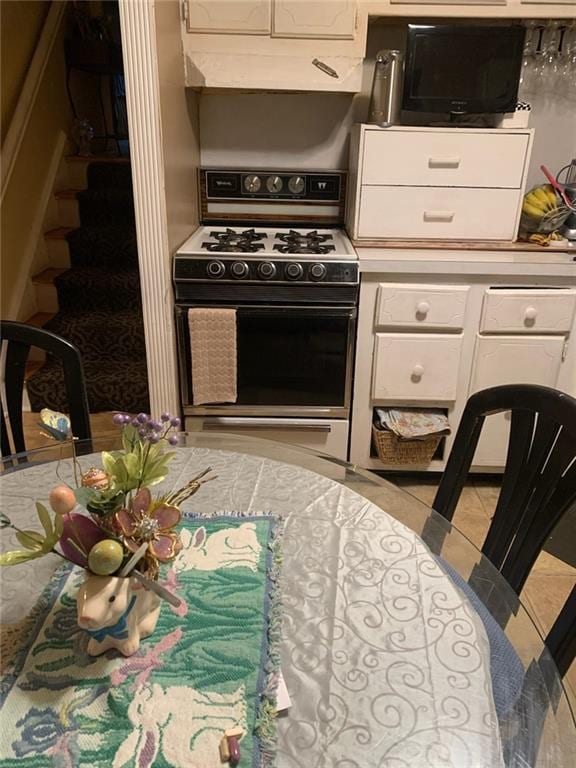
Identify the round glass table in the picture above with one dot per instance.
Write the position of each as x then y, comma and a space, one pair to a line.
401, 644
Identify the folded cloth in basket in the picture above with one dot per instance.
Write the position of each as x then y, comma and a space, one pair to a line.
214, 355
413, 423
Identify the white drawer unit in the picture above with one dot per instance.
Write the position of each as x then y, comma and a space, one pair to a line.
431, 213
415, 367
408, 183
422, 306
528, 310
444, 159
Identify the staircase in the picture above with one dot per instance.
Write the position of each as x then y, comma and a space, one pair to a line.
90, 294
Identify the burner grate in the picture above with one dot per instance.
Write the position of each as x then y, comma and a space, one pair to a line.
303, 242
230, 240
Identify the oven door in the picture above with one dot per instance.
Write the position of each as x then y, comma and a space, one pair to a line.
292, 361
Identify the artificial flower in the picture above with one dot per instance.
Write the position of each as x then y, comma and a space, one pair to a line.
145, 521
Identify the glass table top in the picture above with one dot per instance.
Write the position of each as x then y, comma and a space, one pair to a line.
342, 502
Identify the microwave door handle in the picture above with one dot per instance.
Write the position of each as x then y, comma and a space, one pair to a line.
262, 423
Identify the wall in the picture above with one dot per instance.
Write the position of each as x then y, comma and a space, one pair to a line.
179, 125
31, 183
20, 27
310, 130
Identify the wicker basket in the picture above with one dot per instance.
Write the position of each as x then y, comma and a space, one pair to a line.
392, 450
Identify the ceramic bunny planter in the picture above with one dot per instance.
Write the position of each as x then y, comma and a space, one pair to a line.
116, 613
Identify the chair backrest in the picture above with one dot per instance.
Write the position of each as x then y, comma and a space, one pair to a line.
18, 338
538, 486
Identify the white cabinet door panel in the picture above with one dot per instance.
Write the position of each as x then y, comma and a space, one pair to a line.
510, 360
528, 311
416, 367
314, 18
229, 16
438, 159
438, 213
422, 306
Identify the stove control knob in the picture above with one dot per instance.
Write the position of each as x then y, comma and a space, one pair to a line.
215, 269
296, 185
274, 184
252, 183
239, 269
294, 271
317, 271
266, 270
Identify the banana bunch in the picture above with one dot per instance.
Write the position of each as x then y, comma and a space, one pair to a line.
540, 201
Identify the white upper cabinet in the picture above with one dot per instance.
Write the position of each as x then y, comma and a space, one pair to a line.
229, 16
316, 19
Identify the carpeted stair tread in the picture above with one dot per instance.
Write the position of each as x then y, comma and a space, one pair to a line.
97, 334
109, 176
108, 246
106, 206
100, 306
112, 386
92, 288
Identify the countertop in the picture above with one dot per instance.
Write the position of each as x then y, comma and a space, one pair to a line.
465, 258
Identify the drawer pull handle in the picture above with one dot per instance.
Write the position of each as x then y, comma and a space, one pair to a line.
422, 308
417, 371
443, 162
530, 314
438, 216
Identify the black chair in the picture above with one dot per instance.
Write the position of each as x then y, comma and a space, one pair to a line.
18, 338
538, 488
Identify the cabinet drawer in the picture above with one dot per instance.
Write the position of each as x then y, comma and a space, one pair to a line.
427, 158
438, 213
423, 306
411, 367
528, 311
329, 436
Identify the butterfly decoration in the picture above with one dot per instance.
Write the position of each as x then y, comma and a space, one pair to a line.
55, 424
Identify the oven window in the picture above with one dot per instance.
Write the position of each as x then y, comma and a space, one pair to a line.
292, 358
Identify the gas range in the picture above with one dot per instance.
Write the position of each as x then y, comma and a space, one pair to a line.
271, 261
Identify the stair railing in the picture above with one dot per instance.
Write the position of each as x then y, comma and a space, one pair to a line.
24, 108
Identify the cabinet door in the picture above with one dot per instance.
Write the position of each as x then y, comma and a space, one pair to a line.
315, 18
250, 17
510, 360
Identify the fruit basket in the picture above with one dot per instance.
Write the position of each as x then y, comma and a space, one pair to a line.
542, 211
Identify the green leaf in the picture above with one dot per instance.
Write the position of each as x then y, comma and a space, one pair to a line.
84, 496
17, 556
108, 462
130, 438
30, 539
5, 521
58, 526
45, 518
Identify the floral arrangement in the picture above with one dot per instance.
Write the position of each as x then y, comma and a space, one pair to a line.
110, 523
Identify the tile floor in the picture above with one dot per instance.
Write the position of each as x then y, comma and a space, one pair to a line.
547, 587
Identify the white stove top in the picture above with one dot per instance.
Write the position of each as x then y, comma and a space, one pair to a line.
301, 243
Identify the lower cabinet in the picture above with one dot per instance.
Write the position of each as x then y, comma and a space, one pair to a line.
511, 360
424, 344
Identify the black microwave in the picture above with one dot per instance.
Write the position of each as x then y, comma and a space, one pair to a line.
461, 69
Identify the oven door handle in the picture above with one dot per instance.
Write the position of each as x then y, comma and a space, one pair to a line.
310, 425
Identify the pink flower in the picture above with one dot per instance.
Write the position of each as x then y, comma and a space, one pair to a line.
144, 522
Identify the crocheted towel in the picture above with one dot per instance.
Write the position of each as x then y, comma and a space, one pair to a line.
213, 350
210, 665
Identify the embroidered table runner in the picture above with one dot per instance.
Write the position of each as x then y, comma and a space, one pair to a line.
210, 665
